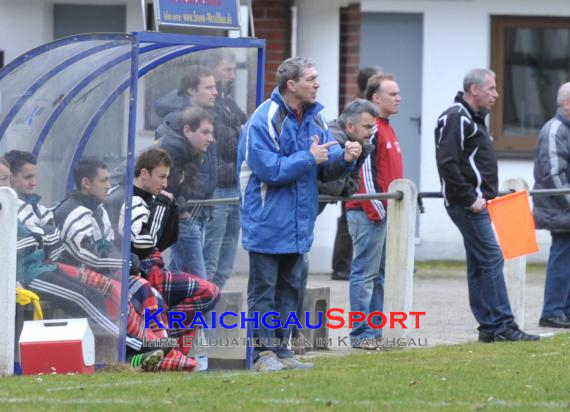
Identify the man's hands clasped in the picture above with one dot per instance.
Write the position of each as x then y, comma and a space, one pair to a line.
320, 152
352, 151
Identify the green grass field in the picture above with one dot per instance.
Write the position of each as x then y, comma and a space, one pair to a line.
469, 377
446, 268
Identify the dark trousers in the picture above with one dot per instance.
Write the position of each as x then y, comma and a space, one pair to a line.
342, 252
557, 282
274, 285
300, 314
77, 300
488, 296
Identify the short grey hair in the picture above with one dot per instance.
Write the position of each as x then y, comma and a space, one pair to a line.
354, 110
476, 77
563, 94
291, 69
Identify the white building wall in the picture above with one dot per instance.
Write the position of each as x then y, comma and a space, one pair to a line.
26, 24
456, 39
14, 15
319, 38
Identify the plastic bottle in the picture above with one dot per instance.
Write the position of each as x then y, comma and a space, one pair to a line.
200, 353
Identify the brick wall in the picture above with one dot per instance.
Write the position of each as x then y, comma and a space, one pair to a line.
272, 20
349, 53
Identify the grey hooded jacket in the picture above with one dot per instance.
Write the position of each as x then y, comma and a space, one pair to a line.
552, 171
335, 182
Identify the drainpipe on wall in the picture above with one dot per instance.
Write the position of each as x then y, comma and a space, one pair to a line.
251, 22
143, 14
294, 28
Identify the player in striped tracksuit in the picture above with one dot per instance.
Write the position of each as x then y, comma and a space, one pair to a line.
79, 291
89, 244
154, 227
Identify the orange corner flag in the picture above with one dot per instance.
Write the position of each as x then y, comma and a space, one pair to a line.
514, 224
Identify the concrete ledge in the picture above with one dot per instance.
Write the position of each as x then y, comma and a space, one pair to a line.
316, 300
226, 357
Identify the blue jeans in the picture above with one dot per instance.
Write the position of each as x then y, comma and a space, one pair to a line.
557, 283
274, 284
367, 275
300, 314
220, 244
186, 253
488, 296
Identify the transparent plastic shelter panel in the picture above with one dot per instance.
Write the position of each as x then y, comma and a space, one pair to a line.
69, 134
69, 101
36, 65
164, 93
84, 280
58, 116
27, 110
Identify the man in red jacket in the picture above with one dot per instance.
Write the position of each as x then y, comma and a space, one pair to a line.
367, 219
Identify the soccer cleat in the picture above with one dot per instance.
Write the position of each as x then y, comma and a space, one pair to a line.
147, 361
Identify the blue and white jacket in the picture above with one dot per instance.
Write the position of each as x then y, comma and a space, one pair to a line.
277, 176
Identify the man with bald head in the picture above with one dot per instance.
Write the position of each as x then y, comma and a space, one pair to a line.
551, 171
468, 171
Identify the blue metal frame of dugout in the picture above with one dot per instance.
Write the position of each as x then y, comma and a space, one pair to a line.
85, 59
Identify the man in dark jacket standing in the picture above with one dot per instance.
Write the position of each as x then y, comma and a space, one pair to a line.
222, 232
197, 89
552, 171
357, 123
188, 146
342, 250
467, 169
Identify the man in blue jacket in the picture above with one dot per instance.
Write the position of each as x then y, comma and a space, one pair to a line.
282, 149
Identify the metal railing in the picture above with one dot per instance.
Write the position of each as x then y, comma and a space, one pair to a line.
402, 206
397, 195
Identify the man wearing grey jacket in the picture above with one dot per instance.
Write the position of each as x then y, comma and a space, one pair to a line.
552, 171
357, 123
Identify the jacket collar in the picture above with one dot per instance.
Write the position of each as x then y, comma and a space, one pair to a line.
563, 117
341, 137
88, 201
338, 132
175, 135
31, 198
146, 196
310, 109
475, 115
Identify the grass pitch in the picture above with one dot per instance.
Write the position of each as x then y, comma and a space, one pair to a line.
470, 377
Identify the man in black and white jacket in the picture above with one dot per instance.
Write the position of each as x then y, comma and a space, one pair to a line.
467, 168
84, 223
154, 228
88, 237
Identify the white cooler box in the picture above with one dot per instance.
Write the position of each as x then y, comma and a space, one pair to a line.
57, 346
